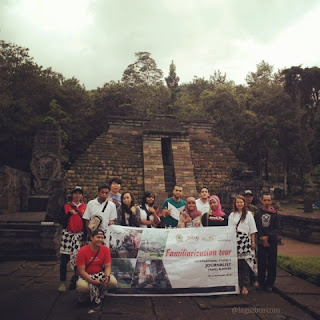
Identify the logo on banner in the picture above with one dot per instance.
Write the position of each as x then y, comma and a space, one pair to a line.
179, 237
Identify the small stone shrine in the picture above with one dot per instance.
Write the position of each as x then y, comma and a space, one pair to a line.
45, 165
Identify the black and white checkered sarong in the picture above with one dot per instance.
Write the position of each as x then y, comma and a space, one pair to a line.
95, 292
70, 244
245, 251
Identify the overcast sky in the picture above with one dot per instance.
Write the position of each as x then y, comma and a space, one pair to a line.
95, 40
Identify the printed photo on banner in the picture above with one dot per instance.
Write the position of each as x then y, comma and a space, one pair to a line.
153, 244
123, 270
150, 274
125, 242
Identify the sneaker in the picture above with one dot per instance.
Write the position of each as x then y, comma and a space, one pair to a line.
255, 284
95, 307
62, 287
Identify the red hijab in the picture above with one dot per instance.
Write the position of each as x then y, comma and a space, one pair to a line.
218, 212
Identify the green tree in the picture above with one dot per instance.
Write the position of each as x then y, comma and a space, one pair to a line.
217, 78
173, 84
143, 71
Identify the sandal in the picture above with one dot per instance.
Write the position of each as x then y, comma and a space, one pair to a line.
244, 291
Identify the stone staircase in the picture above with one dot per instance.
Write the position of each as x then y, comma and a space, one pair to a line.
24, 236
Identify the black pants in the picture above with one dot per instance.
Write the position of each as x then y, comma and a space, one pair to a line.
267, 264
243, 273
64, 259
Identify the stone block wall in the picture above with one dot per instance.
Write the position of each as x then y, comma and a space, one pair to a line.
117, 152
213, 161
153, 167
183, 165
14, 190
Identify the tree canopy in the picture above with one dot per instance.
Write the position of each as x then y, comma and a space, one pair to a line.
272, 123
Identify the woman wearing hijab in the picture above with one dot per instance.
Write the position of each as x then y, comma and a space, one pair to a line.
215, 217
191, 217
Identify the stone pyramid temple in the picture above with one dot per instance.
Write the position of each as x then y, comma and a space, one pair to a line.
154, 154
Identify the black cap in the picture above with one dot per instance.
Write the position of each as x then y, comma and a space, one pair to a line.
97, 231
248, 193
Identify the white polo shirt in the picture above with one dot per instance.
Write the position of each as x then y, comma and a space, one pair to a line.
94, 207
203, 207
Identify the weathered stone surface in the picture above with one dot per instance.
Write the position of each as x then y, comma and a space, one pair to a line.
132, 150
127, 305
14, 190
46, 158
181, 307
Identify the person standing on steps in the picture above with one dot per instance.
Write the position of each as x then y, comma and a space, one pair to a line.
72, 235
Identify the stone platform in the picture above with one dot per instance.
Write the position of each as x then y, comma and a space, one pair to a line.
300, 225
24, 235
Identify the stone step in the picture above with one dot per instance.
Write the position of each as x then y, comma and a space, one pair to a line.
19, 232
28, 240
27, 254
20, 226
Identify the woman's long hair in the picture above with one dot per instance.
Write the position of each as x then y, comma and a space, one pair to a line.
147, 194
125, 208
144, 202
244, 209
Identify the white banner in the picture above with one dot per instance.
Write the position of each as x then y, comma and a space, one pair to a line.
190, 261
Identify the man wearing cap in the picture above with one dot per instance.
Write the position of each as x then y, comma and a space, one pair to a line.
72, 234
94, 268
248, 197
203, 203
101, 207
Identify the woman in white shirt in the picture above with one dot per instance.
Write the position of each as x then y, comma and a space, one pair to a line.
148, 212
245, 227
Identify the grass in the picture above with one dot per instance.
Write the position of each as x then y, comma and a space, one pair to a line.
307, 268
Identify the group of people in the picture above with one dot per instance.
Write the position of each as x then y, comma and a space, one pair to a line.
93, 261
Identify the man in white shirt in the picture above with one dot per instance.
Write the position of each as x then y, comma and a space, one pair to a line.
203, 203
102, 207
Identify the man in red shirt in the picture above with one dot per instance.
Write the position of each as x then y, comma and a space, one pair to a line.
72, 236
94, 268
